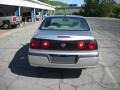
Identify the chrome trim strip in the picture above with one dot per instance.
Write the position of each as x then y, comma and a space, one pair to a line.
47, 55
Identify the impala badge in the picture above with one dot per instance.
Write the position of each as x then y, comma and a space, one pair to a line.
63, 45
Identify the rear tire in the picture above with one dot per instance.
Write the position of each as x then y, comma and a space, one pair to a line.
6, 25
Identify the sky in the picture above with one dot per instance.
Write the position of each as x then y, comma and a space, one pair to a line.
78, 2
118, 1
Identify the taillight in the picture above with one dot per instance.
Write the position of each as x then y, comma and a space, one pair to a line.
34, 43
39, 44
92, 45
81, 44
14, 19
45, 44
87, 45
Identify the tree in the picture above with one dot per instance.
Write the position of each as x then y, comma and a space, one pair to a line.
98, 7
90, 7
116, 10
106, 7
58, 3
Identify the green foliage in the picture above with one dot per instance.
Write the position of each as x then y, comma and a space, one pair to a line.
97, 7
112, 15
57, 3
93, 8
45, 1
116, 10
90, 7
106, 7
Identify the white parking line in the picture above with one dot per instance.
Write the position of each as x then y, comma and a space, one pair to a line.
112, 77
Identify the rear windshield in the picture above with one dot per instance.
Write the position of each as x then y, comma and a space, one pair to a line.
64, 23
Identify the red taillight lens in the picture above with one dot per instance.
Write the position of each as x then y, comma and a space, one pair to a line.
81, 44
87, 45
45, 44
39, 44
34, 43
92, 45
14, 19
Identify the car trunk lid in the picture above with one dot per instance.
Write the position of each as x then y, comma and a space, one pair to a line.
63, 35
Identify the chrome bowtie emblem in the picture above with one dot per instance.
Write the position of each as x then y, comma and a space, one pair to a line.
63, 45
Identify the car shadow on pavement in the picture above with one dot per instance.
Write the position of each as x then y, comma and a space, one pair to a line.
20, 66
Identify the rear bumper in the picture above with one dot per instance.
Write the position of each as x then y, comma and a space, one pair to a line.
15, 23
41, 58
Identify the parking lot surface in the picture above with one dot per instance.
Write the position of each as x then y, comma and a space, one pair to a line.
16, 74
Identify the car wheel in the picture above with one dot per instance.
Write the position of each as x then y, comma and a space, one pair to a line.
6, 25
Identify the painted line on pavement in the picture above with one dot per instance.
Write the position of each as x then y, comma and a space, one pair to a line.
111, 75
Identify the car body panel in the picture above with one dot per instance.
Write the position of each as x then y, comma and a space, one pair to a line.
73, 35
43, 61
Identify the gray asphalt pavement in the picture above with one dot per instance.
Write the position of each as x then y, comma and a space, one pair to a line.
16, 74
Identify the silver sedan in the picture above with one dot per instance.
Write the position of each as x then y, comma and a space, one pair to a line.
63, 42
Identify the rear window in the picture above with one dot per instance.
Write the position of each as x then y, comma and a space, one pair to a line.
64, 23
